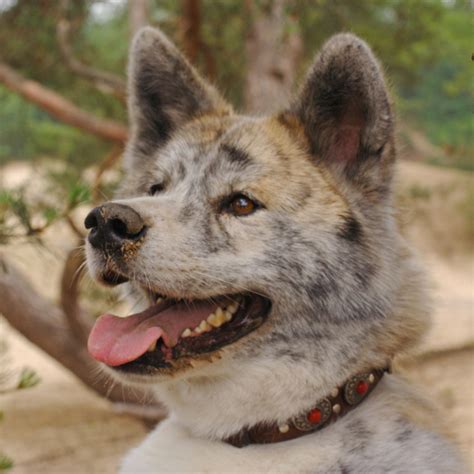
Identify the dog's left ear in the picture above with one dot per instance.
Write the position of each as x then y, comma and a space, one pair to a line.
344, 107
165, 91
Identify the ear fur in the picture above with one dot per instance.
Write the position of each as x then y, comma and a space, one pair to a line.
344, 105
165, 91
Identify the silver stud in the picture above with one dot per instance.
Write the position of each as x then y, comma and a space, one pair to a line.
336, 408
334, 392
371, 378
284, 428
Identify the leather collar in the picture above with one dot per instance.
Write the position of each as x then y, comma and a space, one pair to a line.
327, 410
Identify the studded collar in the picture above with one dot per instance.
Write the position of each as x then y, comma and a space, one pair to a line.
327, 410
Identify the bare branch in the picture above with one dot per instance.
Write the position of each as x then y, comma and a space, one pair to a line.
104, 81
75, 316
43, 324
73, 226
61, 108
106, 164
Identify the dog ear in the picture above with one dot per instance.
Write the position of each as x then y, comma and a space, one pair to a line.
344, 107
165, 91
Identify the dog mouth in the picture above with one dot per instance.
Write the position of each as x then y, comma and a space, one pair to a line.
171, 333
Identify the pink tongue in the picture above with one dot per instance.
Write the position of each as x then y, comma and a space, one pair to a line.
116, 341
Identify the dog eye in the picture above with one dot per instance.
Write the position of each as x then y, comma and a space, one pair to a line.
242, 205
156, 188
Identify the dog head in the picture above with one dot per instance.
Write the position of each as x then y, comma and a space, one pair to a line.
269, 243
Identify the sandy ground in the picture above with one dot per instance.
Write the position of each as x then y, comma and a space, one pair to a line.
59, 426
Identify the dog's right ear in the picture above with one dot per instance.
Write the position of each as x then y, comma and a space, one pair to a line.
165, 91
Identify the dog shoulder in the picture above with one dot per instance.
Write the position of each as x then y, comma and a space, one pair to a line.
396, 430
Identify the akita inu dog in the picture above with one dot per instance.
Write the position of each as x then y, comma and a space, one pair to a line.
278, 287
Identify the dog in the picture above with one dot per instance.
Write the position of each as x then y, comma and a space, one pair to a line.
275, 287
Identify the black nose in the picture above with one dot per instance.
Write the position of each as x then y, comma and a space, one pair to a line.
112, 225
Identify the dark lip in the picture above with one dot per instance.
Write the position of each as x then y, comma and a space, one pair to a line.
253, 311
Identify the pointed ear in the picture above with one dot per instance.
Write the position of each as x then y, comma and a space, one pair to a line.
344, 106
165, 91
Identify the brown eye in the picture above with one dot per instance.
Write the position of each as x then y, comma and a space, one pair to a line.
241, 205
156, 188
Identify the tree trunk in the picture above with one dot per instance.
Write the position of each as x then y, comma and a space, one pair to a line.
192, 41
61, 108
137, 15
273, 52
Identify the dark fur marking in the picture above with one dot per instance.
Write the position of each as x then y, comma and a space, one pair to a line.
356, 438
404, 435
405, 430
344, 469
186, 213
351, 229
236, 155
181, 171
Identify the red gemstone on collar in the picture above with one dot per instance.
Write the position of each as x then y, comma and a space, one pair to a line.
314, 416
362, 387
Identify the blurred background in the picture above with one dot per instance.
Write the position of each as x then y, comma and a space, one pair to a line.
63, 125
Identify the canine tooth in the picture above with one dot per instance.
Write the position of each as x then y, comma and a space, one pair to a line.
186, 333
152, 347
158, 300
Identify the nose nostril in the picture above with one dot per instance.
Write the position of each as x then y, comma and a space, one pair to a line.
119, 228
90, 221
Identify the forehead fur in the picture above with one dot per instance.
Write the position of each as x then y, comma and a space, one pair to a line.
230, 153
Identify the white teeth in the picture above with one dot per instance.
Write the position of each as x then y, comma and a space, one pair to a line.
220, 316
152, 347
216, 320
204, 326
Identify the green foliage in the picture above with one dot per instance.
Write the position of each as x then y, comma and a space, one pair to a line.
425, 46
5, 462
28, 133
441, 102
23, 216
28, 378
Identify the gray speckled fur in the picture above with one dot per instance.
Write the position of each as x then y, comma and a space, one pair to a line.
347, 293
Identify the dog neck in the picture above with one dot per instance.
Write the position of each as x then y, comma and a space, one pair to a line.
220, 406
340, 401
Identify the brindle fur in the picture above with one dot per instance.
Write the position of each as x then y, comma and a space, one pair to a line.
346, 290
